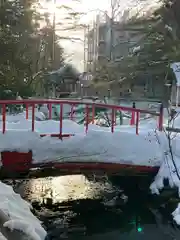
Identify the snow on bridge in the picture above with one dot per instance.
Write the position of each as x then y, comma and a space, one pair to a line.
27, 143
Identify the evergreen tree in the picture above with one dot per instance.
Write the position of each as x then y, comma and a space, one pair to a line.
26, 50
152, 55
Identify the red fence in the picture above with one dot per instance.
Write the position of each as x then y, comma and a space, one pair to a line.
114, 108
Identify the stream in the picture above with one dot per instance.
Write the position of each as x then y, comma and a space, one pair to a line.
71, 207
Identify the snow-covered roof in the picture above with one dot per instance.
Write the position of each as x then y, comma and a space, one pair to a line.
63, 69
176, 69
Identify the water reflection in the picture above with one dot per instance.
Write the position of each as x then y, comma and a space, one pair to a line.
134, 220
62, 188
80, 211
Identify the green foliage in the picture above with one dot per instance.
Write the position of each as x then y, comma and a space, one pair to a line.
26, 50
158, 46
66, 74
105, 73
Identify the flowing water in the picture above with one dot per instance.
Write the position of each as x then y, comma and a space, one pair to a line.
71, 207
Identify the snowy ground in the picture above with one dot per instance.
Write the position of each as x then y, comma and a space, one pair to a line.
19, 216
170, 166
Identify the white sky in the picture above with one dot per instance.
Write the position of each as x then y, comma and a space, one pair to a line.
88, 7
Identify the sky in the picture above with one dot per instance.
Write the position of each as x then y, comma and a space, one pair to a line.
74, 49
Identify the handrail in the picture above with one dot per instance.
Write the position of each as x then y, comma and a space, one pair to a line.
76, 102
93, 105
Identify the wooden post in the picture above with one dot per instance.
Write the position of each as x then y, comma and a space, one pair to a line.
161, 112
132, 122
72, 111
137, 123
33, 117
87, 118
177, 96
93, 113
27, 111
50, 110
112, 120
61, 121
4, 118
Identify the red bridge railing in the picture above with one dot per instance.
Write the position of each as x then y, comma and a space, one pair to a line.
88, 106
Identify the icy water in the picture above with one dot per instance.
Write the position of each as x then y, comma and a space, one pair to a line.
71, 207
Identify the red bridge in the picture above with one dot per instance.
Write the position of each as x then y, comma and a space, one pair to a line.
21, 163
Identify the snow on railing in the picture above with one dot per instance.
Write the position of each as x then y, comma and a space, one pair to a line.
135, 112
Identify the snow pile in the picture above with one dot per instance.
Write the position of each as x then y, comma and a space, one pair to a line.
119, 147
44, 127
2, 237
22, 116
168, 171
176, 214
170, 167
18, 211
175, 67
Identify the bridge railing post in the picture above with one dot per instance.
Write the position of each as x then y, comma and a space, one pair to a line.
132, 122
27, 111
88, 108
112, 120
115, 113
161, 113
61, 121
93, 113
87, 118
4, 118
72, 112
137, 123
50, 110
33, 117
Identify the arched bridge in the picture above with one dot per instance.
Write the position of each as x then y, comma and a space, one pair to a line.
22, 162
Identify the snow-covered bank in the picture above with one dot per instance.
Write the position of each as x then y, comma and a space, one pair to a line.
22, 116
18, 212
170, 166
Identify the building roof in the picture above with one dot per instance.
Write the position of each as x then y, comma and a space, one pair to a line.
176, 69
